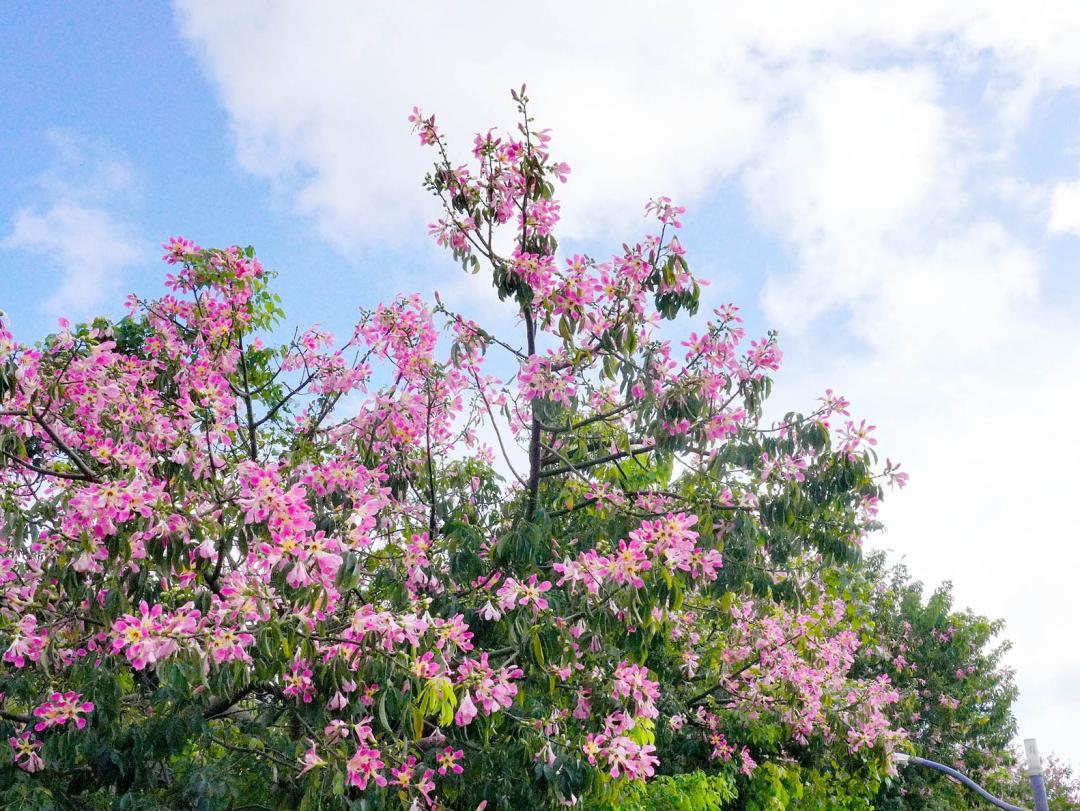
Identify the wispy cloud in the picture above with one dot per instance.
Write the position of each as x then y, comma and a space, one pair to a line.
79, 240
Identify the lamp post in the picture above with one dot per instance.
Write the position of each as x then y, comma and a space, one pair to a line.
1034, 770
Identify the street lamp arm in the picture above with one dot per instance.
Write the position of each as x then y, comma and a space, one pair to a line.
962, 778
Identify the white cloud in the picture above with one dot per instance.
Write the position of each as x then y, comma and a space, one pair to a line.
1065, 209
947, 347
857, 157
86, 244
318, 98
873, 140
850, 167
77, 232
644, 103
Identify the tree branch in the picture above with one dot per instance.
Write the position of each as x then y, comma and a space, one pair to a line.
611, 457
533, 485
277, 406
59, 474
16, 717
74, 457
223, 704
430, 466
253, 447
495, 427
605, 415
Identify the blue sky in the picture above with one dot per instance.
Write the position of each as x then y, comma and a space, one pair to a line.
116, 85
896, 189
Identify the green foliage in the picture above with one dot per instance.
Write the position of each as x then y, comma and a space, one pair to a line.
693, 791
957, 693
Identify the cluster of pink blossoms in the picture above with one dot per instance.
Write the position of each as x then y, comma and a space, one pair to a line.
617, 753
494, 689
632, 681
28, 642
540, 377
154, 635
806, 658
669, 542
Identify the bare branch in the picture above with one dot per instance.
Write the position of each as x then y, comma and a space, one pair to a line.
59, 474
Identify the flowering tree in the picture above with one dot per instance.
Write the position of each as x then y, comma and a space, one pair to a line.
297, 576
956, 693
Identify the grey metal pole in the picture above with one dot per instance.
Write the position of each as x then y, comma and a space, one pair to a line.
1034, 770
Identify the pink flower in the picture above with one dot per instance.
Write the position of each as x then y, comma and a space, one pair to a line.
28, 643
593, 747
531, 591
365, 765
298, 682
625, 757
402, 775
628, 562
466, 711
582, 710
632, 681
25, 753
155, 635
665, 211
857, 436
61, 708
748, 764
538, 377
311, 759
508, 593
426, 128
177, 249
425, 667
227, 645
449, 760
